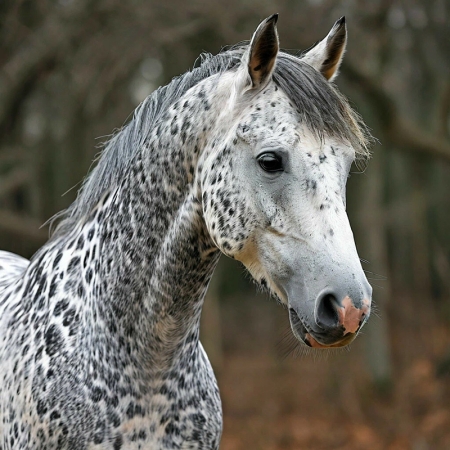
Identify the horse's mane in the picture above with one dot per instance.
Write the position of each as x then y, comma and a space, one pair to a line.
320, 105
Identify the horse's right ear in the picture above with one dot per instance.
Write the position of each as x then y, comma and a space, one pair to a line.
262, 53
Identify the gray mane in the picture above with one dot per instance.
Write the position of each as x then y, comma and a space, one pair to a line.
320, 106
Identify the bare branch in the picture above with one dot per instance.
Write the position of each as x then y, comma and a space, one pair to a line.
401, 132
408, 136
56, 33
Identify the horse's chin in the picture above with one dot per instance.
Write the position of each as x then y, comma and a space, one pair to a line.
306, 337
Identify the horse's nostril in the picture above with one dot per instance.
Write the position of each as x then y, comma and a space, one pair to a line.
326, 312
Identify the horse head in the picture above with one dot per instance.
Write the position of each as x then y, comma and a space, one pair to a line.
274, 178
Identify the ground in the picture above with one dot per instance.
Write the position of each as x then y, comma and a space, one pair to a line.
291, 406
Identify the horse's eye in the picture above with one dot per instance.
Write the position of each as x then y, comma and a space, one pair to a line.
270, 162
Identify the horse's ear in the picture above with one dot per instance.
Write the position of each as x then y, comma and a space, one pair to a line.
326, 55
263, 51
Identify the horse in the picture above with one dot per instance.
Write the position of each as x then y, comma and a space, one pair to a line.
246, 154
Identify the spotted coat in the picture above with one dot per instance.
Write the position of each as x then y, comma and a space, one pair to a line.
99, 332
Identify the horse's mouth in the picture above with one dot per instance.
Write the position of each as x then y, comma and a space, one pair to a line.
311, 339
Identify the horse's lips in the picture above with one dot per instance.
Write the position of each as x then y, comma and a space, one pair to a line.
302, 334
309, 340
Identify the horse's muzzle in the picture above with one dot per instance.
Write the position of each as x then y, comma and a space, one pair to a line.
336, 322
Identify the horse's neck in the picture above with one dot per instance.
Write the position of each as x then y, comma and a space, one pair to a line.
155, 257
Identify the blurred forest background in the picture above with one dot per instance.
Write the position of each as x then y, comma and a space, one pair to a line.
74, 70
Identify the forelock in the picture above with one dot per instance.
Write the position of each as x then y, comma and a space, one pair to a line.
319, 104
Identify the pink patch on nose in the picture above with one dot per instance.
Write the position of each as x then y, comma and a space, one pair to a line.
350, 316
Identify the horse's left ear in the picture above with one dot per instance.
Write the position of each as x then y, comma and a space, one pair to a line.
326, 56
263, 51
